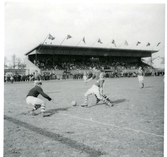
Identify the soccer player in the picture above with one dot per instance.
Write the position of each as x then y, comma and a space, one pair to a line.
36, 77
11, 79
141, 77
37, 103
97, 87
85, 76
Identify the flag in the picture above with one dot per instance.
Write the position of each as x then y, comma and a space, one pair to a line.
51, 37
158, 43
99, 41
113, 42
138, 43
148, 44
84, 40
126, 43
69, 36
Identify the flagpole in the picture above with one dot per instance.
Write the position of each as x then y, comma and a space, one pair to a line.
120, 45
132, 45
40, 47
78, 42
94, 43
161, 48
62, 41
155, 46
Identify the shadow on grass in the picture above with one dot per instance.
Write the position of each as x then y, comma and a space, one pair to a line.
53, 111
57, 137
118, 101
113, 102
148, 86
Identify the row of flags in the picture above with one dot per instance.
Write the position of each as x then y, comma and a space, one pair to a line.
99, 41
52, 37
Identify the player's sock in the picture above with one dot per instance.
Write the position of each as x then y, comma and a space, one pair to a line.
85, 103
107, 101
37, 106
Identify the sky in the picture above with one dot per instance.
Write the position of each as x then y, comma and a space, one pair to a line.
27, 24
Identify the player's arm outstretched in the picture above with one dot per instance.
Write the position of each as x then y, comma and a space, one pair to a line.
31, 78
40, 90
87, 80
93, 76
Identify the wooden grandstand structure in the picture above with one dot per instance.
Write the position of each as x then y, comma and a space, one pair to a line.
61, 53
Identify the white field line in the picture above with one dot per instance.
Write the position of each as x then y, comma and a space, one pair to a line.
112, 125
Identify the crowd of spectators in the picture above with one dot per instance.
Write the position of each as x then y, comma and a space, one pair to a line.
48, 64
112, 69
23, 78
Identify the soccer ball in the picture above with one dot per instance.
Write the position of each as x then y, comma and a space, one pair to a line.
73, 103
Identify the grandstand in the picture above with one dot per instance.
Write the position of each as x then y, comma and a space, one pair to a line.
58, 59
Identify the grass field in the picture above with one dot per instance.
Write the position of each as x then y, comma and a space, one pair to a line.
133, 127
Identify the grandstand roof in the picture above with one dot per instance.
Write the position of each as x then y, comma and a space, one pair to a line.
76, 50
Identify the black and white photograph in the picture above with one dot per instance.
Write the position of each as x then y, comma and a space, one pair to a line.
83, 79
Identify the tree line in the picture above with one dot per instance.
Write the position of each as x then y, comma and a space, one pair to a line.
14, 63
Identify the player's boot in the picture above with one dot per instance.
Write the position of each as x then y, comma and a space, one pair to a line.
37, 106
85, 103
107, 100
46, 114
97, 99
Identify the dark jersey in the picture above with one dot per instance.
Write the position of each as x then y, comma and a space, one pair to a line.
36, 91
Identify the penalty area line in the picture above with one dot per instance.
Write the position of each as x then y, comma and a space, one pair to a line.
112, 125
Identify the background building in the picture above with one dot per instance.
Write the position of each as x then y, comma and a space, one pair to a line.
55, 59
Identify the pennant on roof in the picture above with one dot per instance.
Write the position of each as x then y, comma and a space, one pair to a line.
158, 43
126, 43
51, 37
113, 42
69, 36
138, 43
84, 40
99, 41
148, 44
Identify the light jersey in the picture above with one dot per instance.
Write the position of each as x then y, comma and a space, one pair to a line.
96, 75
99, 81
37, 77
140, 73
